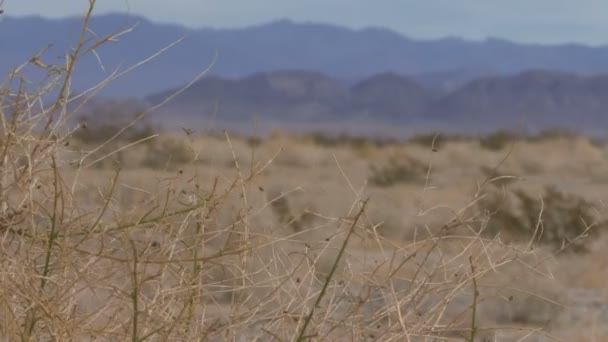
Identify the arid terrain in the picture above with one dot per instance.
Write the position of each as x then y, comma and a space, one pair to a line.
234, 238
116, 230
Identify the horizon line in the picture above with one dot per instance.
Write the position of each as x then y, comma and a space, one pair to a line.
447, 37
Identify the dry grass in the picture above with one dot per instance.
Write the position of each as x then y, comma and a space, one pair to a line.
187, 237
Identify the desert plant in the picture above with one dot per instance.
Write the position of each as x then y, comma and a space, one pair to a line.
562, 221
103, 119
98, 133
493, 176
498, 140
552, 133
195, 257
436, 140
403, 169
344, 139
167, 153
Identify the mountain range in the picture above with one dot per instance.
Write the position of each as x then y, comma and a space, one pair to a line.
324, 76
531, 100
345, 54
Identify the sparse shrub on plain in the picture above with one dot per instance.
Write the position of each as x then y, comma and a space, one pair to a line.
92, 133
559, 220
494, 141
365, 151
254, 141
436, 140
105, 119
498, 140
398, 169
167, 153
324, 140
551, 134
354, 141
429, 140
105, 136
285, 214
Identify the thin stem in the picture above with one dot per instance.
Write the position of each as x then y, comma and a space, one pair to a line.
301, 336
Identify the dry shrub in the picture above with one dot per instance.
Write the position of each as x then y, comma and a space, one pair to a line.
436, 141
498, 140
353, 141
98, 132
496, 178
553, 134
167, 154
562, 221
213, 258
93, 139
398, 169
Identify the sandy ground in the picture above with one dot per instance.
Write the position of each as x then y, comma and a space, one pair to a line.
301, 197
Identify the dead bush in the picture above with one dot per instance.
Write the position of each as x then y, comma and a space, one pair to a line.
498, 140
167, 153
404, 169
559, 220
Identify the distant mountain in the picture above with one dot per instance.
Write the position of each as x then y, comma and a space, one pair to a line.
532, 100
280, 96
447, 81
390, 97
338, 52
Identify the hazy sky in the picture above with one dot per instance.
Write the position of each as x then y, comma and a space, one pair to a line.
545, 21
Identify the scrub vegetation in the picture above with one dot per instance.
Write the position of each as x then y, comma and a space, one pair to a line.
124, 232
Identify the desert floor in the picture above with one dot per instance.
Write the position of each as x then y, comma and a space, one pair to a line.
219, 237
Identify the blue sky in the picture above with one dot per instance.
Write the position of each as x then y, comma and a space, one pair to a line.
544, 21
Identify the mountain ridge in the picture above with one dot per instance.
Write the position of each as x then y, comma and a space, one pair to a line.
340, 52
535, 100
